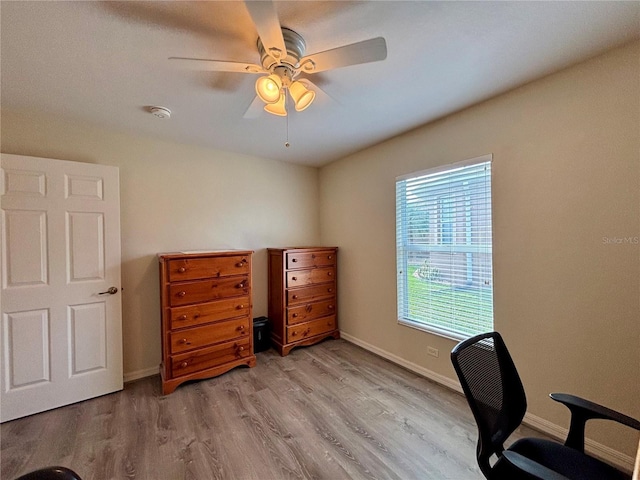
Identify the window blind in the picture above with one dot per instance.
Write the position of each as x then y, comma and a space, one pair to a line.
444, 249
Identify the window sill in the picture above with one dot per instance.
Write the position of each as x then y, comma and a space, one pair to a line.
457, 337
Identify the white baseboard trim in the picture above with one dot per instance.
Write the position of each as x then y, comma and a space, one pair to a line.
138, 374
596, 449
436, 377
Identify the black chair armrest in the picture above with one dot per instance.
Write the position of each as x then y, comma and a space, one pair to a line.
529, 466
583, 410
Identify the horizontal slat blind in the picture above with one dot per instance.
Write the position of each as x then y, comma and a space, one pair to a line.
444, 254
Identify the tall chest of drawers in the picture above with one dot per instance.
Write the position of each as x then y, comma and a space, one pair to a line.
206, 315
302, 296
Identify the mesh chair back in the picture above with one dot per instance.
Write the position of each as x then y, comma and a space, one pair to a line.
493, 389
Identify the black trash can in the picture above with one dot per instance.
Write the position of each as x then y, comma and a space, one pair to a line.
261, 341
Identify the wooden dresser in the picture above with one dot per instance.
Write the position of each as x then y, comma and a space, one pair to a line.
302, 296
206, 315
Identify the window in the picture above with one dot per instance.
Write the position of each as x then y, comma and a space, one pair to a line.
443, 241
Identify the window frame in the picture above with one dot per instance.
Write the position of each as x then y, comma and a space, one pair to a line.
444, 239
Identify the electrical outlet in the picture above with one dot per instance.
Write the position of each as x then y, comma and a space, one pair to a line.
432, 351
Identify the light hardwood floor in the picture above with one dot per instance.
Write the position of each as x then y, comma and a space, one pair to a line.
332, 411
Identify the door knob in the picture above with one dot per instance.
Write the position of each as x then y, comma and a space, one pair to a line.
110, 291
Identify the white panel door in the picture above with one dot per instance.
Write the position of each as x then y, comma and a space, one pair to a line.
61, 331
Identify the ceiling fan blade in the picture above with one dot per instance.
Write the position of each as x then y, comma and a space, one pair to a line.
322, 97
265, 18
255, 109
216, 65
372, 50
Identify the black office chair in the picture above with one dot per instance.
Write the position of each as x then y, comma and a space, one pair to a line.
51, 473
496, 396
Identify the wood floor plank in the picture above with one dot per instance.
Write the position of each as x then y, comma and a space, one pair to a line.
405, 453
328, 412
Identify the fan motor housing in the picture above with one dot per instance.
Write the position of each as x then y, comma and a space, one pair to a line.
295, 45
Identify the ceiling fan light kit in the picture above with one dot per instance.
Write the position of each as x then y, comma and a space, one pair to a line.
277, 108
282, 59
285, 68
302, 96
268, 88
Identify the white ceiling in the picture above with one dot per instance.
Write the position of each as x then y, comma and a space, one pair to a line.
105, 63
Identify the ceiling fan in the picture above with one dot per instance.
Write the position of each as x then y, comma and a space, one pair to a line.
282, 60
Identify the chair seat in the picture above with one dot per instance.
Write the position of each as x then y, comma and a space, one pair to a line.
51, 473
565, 460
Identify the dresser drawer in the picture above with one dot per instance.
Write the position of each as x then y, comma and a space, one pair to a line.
310, 294
196, 268
207, 290
192, 315
191, 338
304, 313
298, 278
209, 357
311, 259
311, 329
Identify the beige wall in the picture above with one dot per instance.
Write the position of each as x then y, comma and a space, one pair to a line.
566, 175
177, 197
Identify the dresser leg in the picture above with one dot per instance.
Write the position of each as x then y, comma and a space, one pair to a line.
284, 350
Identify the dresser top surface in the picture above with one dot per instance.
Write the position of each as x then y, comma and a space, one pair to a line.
202, 253
300, 249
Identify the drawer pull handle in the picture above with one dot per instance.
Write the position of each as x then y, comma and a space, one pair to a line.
330, 307
182, 293
241, 327
294, 333
241, 263
294, 278
182, 270
241, 285
295, 315
241, 349
184, 364
330, 290
239, 307
294, 260
182, 317
184, 341
330, 257
329, 273
295, 297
